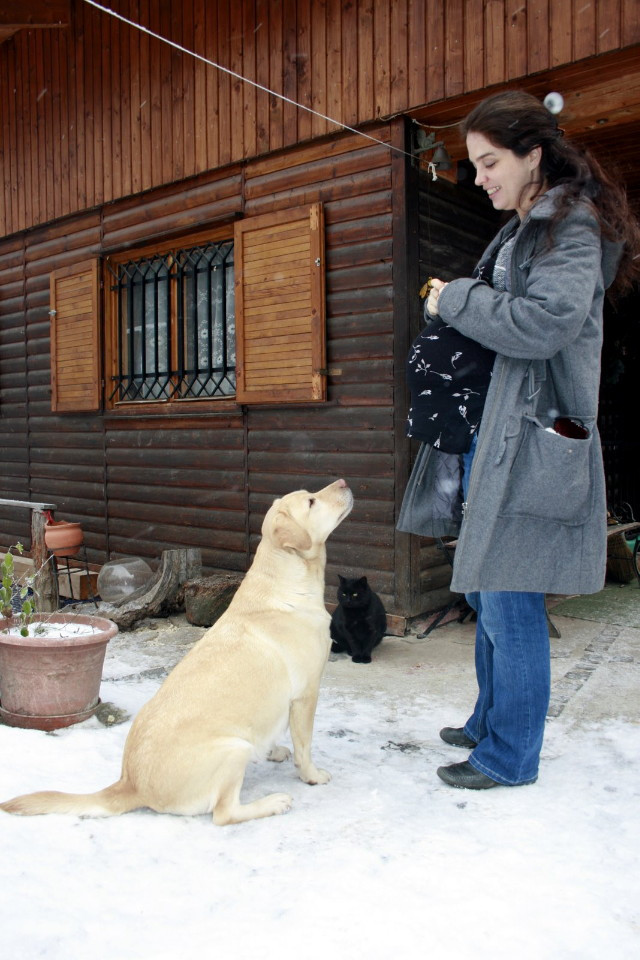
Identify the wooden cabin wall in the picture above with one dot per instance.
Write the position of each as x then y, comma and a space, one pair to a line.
177, 479
13, 398
98, 110
44, 458
455, 225
352, 437
140, 482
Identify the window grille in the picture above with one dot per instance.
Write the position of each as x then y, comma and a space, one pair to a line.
175, 325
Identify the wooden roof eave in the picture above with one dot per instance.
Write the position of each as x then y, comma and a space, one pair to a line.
599, 92
32, 14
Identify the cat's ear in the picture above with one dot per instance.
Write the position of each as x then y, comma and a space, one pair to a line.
362, 581
341, 579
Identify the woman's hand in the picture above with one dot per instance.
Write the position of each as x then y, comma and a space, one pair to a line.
434, 294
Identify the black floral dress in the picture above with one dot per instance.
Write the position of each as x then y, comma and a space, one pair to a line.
449, 375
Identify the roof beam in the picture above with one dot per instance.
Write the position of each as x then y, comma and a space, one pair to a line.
33, 13
601, 93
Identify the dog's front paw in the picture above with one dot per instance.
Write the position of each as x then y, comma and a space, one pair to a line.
280, 803
278, 754
314, 776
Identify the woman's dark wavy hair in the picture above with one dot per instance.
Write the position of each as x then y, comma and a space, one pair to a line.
518, 121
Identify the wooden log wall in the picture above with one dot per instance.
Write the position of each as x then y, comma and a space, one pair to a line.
140, 483
14, 484
353, 438
455, 225
64, 455
98, 111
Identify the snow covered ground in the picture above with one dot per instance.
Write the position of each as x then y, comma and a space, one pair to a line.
384, 862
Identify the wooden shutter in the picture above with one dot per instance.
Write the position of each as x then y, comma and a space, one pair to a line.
75, 338
280, 308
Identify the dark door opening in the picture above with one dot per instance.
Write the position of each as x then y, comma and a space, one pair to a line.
618, 404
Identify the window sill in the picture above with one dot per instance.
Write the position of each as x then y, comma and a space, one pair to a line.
175, 409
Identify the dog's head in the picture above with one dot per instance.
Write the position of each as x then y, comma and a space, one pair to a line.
302, 521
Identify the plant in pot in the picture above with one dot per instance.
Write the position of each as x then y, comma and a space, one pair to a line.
50, 664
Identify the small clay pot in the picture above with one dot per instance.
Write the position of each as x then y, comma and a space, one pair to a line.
63, 538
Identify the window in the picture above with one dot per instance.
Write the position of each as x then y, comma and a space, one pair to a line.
206, 318
174, 324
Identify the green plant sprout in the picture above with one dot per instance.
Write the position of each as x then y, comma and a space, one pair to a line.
13, 593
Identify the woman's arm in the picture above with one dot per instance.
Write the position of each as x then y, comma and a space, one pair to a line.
559, 293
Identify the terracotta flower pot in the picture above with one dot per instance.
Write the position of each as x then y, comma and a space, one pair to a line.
52, 682
63, 538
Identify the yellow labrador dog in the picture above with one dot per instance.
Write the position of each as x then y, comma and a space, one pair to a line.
255, 670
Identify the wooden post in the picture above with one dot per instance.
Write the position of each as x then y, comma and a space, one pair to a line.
44, 584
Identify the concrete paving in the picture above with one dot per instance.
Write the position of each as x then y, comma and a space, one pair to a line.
595, 664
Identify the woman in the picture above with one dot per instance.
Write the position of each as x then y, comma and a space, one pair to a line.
534, 517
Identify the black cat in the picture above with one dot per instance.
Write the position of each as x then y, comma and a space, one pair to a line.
359, 622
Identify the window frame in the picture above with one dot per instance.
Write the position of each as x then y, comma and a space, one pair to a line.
218, 234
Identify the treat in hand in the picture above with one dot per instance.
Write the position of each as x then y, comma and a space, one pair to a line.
434, 293
425, 289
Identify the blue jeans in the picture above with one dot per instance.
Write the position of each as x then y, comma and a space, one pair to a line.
514, 678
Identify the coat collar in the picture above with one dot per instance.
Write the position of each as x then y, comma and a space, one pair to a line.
545, 206
544, 209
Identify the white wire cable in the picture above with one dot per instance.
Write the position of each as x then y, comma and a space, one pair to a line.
238, 76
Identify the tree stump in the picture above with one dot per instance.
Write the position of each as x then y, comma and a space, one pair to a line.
207, 598
163, 595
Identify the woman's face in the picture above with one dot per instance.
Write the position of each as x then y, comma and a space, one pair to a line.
511, 182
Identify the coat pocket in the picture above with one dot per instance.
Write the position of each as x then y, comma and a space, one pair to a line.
550, 478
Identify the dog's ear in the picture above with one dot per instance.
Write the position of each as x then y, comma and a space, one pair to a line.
288, 533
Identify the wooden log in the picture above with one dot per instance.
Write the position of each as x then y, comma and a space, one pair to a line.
207, 598
163, 595
44, 581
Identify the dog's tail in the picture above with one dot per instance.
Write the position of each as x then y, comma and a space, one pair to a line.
118, 798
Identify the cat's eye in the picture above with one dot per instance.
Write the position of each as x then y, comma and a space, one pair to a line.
311, 501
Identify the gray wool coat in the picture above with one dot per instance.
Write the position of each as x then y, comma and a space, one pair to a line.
535, 517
